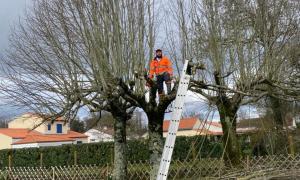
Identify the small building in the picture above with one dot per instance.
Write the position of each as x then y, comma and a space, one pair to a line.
95, 135
39, 124
194, 126
32, 130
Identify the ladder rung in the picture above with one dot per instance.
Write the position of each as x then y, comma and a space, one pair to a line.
174, 123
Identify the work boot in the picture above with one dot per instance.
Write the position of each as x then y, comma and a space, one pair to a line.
169, 88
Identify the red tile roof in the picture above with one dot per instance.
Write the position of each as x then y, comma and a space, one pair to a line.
189, 123
29, 136
73, 134
17, 133
184, 124
51, 138
43, 138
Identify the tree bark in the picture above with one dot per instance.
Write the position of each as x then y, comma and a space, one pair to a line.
155, 140
232, 152
155, 113
120, 146
278, 113
283, 137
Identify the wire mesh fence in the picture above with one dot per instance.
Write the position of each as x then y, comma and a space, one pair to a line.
269, 167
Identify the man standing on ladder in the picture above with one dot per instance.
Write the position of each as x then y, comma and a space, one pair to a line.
161, 71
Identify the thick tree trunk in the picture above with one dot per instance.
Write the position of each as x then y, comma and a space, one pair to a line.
278, 113
120, 146
232, 152
283, 137
155, 113
155, 140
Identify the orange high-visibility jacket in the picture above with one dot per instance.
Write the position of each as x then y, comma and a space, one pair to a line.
159, 67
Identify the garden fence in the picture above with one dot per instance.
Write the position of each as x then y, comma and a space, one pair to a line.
269, 167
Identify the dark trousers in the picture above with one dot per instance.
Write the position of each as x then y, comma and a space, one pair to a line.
165, 77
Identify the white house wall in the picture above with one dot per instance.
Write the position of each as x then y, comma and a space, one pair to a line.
65, 127
42, 144
98, 136
5, 141
214, 128
47, 144
29, 145
198, 125
83, 140
184, 133
29, 122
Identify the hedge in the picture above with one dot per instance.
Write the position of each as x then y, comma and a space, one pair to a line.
102, 153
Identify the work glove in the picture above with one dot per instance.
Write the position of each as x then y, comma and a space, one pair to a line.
150, 76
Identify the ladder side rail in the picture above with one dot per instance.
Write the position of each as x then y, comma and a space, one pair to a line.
174, 124
172, 138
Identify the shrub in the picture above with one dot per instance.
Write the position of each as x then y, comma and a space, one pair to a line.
102, 153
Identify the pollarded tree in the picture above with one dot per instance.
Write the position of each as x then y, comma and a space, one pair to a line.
72, 54
245, 48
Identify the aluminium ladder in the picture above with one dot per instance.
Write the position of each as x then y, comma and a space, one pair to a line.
176, 116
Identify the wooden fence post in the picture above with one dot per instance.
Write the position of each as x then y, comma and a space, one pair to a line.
9, 166
41, 159
248, 161
193, 150
291, 144
75, 157
9, 160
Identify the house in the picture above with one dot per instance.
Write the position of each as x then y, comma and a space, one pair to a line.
32, 120
245, 127
263, 124
19, 133
95, 135
106, 134
194, 126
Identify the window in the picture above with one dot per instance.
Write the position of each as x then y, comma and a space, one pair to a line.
79, 142
49, 127
58, 128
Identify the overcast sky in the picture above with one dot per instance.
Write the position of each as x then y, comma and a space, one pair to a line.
11, 11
